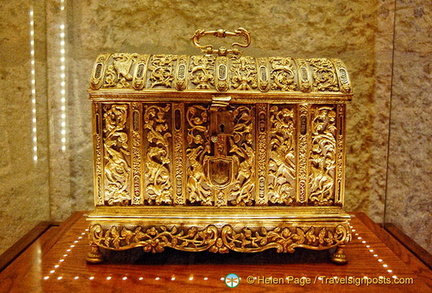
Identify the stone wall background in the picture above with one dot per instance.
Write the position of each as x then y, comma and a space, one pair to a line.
24, 183
361, 33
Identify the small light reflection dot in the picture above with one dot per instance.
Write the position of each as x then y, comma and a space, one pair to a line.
46, 277
108, 278
363, 242
359, 238
371, 250
384, 265
52, 271
375, 255
124, 278
68, 250
353, 230
394, 277
390, 271
76, 278
173, 278
56, 266
157, 278
72, 246
380, 260
367, 246
222, 279
61, 260
205, 278
191, 278
141, 278
91, 278
59, 278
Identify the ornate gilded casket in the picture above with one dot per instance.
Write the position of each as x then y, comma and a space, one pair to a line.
218, 152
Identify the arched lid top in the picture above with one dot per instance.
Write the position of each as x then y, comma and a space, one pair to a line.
219, 74
222, 70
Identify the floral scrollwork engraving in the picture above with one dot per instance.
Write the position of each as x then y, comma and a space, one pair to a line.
282, 74
244, 73
218, 240
284, 239
155, 238
202, 71
282, 167
159, 186
324, 75
117, 155
242, 148
323, 156
198, 187
162, 70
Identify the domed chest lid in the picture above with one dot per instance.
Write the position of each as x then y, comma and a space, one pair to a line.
223, 70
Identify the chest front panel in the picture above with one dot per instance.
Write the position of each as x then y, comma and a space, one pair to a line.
231, 154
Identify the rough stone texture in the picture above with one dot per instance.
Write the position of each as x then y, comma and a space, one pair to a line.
24, 196
358, 32
409, 198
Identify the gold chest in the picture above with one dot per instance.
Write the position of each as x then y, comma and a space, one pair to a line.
218, 152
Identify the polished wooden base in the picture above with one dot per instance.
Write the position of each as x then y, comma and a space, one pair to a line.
56, 263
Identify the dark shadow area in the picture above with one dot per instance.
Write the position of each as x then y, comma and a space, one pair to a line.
175, 257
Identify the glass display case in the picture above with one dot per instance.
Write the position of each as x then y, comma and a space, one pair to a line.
48, 49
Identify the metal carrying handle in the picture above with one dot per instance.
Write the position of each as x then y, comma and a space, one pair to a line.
221, 33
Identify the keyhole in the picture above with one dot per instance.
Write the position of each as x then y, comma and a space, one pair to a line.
222, 128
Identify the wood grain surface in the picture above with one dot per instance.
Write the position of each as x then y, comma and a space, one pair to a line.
56, 263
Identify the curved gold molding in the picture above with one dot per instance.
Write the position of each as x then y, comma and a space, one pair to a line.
154, 238
234, 73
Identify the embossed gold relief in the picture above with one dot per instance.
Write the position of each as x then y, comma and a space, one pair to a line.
324, 75
98, 155
140, 72
282, 238
244, 73
162, 70
158, 176
343, 78
98, 71
136, 154
340, 163
198, 146
220, 73
304, 76
181, 73
262, 154
282, 74
282, 162
119, 73
218, 152
202, 71
323, 155
116, 155
302, 173
215, 155
242, 148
